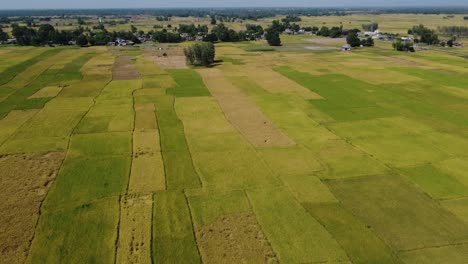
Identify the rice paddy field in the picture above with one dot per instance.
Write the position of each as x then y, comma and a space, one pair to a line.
296, 155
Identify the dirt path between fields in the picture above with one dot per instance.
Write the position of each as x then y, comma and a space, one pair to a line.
243, 113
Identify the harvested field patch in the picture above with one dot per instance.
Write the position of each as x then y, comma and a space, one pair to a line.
24, 183
147, 173
412, 219
134, 245
295, 235
173, 235
124, 69
83, 234
243, 113
170, 61
227, 230
347, 230
145, 117
49, 91
234, 239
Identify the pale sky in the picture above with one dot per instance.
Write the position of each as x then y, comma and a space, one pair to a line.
58, 4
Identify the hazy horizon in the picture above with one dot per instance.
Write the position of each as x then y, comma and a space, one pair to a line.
104, 4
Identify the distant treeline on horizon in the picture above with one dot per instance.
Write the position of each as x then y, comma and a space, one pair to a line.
242, 13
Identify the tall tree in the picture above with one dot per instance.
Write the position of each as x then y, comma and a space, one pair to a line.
273, 37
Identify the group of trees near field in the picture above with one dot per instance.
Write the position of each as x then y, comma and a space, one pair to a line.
47, 34
403, 46
354, 41
200, 54
370, 27
3, 35
425, 34
459, 31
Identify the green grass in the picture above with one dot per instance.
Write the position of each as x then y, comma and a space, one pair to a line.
233, 61
107, 118
12, 71
19, 99
83, 234
283, 219
257, 48
401, 215
347, 230
178, 166
173, 235
102, 144
189, 84
208, 208
86, 179
434, 182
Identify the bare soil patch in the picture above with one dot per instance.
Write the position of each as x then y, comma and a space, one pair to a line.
134, 244
329, 41
167, 57
24, 182
243, 113
124, 69
234, 239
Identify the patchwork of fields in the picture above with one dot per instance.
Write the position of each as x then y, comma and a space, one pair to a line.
119, 155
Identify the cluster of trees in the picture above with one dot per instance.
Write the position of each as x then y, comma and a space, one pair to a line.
459, 31
334, 32
370, 27
220, 32
3, 35
403, 46
291, 18
200, 54
47, 34
426, 35
354, 41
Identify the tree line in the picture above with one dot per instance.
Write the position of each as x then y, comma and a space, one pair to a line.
46, 34
459, 31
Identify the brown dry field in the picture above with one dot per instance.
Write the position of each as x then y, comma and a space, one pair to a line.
242, 113
135, 230
124, 69
234, 239
167, 57
25, 181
